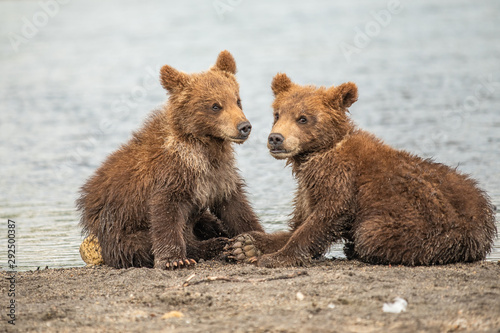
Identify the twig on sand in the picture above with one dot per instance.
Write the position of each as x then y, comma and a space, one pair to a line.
188, 281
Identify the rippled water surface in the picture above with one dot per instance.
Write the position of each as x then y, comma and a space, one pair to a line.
77, 78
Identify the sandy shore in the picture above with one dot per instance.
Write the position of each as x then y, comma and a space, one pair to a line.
329, 296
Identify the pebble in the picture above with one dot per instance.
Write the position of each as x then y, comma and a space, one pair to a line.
172, 314
139, 315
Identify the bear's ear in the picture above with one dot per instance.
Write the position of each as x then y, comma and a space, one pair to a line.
344, 95
225, 62
173, 80
280, 84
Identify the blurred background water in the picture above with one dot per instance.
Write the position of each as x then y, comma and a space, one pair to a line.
78, 76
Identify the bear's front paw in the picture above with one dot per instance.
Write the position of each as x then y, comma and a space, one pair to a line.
242, 249
279, 259
218, 244
171, 263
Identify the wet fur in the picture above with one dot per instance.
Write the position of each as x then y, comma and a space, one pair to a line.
173, 191
389, 206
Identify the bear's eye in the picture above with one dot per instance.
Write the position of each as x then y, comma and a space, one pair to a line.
302, 120
216, 107
276, 116
238, 102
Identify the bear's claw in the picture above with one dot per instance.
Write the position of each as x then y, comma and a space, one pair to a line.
242, 249
180, 263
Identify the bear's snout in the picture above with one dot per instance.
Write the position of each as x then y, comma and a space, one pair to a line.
275, 140
244, 128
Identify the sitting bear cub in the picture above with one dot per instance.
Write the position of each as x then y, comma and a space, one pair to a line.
389, 206
169, 196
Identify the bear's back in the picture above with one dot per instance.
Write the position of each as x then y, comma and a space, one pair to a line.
405, 186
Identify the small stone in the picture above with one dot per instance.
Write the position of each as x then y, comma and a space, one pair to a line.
300, 296
172, 314
139, 315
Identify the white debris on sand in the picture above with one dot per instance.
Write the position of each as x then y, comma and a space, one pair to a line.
398, 305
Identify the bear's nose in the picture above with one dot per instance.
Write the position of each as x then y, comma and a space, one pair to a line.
244, 128
275, 139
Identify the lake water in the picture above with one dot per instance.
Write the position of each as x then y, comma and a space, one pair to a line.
77, 77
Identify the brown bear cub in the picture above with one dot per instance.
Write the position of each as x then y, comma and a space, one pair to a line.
172, 194
389, 206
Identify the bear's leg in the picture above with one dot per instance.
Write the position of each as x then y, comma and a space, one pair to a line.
205, 237
206, 249
383, 240
169, 221
250, 246
310, 240
236, 214
123, 250
209, 226
445, 219
415, 242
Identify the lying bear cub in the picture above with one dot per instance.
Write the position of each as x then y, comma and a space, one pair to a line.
389, 206
172, 194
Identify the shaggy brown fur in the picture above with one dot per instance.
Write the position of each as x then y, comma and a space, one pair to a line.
167, 197
390, 207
